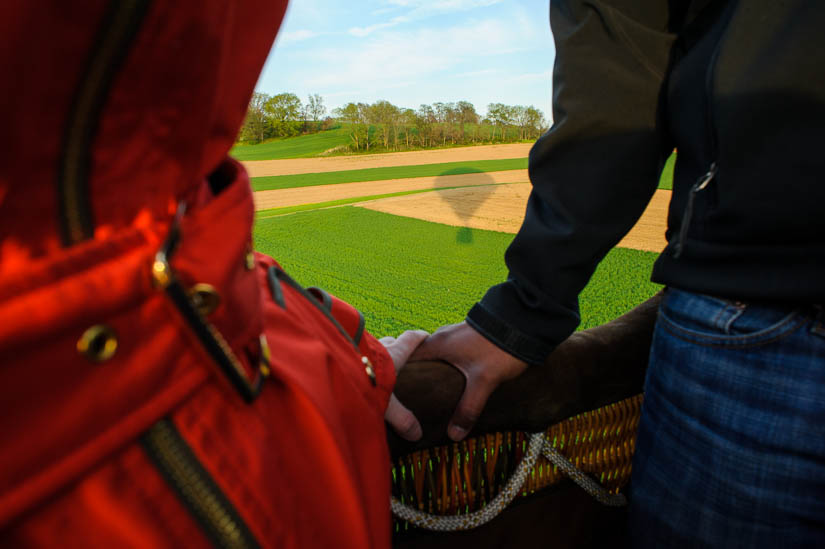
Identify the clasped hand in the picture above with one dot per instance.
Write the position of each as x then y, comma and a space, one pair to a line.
484, 366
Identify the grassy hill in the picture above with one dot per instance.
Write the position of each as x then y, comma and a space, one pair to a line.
302, 146
307, 146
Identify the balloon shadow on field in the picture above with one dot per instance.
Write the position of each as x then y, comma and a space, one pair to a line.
464, 191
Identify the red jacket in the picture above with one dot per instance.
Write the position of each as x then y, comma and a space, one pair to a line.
134, 412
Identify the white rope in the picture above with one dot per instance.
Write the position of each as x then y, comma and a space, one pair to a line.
579, 477
538, 444
482, 516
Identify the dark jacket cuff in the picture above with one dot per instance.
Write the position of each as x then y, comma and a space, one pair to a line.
522, 346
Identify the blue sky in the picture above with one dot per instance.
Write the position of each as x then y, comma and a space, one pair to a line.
411, 52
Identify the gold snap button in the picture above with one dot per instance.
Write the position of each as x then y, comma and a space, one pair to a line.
250, 260
98, 343
205, 298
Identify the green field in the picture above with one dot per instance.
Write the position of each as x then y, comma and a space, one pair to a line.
402, 172
294, 147
666, 180
378, 174
405, 273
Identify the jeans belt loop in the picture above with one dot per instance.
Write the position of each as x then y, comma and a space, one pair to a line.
818, 327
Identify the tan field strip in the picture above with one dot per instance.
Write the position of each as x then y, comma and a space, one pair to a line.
501, 208
322, 193
260, 168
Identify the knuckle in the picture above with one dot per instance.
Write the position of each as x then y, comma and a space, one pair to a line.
403, 421
486, 377
470, 414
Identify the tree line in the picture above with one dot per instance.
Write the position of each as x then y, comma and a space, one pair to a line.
282, 115
384, 126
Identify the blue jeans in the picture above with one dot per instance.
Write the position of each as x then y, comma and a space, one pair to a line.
731, 443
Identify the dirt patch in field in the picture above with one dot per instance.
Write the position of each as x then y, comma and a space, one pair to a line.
260, 168
323, 193
501, 208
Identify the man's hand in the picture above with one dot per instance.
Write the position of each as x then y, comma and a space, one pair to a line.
399, 416
484, 365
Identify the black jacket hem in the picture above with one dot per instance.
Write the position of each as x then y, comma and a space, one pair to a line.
526, 348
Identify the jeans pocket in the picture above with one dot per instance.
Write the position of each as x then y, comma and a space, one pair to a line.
709, 320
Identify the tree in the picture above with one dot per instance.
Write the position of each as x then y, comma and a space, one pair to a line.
352, 114
452, 119
364, 119
408, 121
536, 124
521, 120
315, 108
256, 123
284, 110
425, 122
467, 115
440, 110
386, 115
499, 114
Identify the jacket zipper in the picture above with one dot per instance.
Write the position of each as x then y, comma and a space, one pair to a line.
195, 487
700, 185
703, 181
118, 29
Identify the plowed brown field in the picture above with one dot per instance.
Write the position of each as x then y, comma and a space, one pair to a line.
322, 193
260, 168
492, 201
501, 208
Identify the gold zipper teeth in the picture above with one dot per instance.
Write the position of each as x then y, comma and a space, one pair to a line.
119, 28
199, 492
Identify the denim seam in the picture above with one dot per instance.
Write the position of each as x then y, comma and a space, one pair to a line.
741, 341
788, 318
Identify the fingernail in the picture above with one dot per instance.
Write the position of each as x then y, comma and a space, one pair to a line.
456, 433
416, 434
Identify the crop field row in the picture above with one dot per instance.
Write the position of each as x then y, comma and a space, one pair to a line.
444, 169
666, 179
280, 198
273, 212
377, 174
405, 273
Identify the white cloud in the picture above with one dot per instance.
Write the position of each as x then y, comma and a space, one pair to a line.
443, 6
420, 9
365, 31
395, 57
473, 74
382, 11
503, 54
296, 36
534, 76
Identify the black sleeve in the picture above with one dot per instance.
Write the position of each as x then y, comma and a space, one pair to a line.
593, 173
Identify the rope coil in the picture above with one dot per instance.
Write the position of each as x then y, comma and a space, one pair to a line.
538, 445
